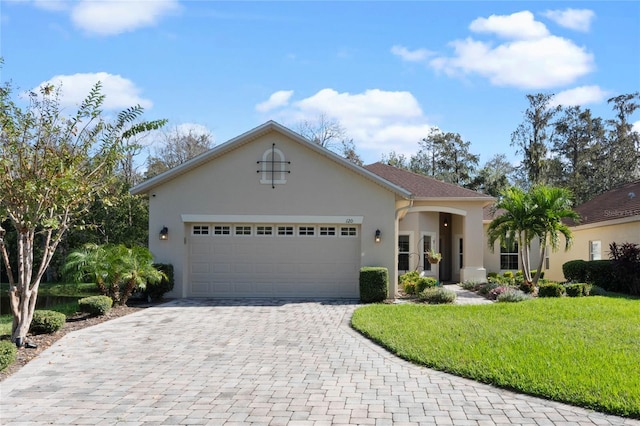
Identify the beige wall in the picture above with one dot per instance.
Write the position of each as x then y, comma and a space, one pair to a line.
230, 185
492, 259
619, 231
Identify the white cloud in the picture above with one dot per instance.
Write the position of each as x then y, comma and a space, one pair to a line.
119, 92
52, 5
192, 128
417, 55
575, 19
518, 26
537, 61
378, 121
276, 100
582, 95
111, 17
636, 126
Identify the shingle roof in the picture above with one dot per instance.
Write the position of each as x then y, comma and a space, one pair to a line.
622, 202
422, 186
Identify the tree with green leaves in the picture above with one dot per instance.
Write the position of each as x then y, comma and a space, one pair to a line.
495, 176
534, 215
52, 167
531, 138
623, 151
445, 156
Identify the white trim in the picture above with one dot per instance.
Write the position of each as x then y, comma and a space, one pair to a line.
439, 209
239, 218
604, 223
433, 236
410, 261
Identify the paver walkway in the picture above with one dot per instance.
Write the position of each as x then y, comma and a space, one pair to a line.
265, 362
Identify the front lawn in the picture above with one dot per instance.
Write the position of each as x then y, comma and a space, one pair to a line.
583, 351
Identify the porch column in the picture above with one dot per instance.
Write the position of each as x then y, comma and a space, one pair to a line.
473, 246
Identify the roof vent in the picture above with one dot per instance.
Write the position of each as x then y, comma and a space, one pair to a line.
632, 195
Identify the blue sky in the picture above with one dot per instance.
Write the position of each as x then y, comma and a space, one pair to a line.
387, 71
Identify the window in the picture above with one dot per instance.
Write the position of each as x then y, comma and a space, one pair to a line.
460, 252
285, 230
264, 230
243, 230
348, 231
509, 257
403, 252
273, 167
426, 248
595, 250
306, 231
327, 231
200, 229
221, 230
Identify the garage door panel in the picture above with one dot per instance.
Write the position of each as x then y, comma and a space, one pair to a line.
229, 266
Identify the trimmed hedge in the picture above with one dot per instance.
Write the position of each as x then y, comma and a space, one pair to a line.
374, 282
95, 305
578, 289
424, 283
596, 272
8, 353
551, 290
47, 322
575, 270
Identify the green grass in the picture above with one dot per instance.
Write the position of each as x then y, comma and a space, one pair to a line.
582, 351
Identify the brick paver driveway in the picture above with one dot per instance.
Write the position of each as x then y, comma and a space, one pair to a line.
269, 362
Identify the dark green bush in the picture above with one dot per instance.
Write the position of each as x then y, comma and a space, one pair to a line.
625, 259
8, 352
600, 273
492, 275
437, 295
95, 305
425, 282
575, 270
551, 290
374, 282
526, 287
578, 289
156, 291
47, 322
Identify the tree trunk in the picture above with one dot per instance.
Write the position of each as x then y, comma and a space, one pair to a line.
543, 252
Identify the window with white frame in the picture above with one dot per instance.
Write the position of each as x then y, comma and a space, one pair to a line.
264, 230
200, 229
306, 231
595, 250
403, 253
243, 230
222, 230
285, 230
327, 231
274, 167
509, 256
348, 231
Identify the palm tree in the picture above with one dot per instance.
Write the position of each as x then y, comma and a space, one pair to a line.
117, 269
530, 215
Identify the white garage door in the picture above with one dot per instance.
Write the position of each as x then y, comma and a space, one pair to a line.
262, 260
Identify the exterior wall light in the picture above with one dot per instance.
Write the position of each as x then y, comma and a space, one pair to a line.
377, 238
446, 222
164, 233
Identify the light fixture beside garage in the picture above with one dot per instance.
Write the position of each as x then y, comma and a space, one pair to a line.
377, 238
164, 233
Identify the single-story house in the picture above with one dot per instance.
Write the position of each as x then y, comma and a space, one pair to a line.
613, 216
271, 214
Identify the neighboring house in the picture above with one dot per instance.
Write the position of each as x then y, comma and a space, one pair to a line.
613, 216
271, 214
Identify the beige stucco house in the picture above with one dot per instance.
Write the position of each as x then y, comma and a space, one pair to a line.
271, 214
613, 216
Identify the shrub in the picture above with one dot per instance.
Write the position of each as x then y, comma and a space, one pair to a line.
485, 288
156, 291
551, 290
374, 282
526, 287
626, 267
425, 282
409, 287
512, 295
508, 274
575, 270
578, 289
493, 294
438, 295
470, 285
47, 322
597, 291
600, 273
8, 354
492, 275
95, 305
